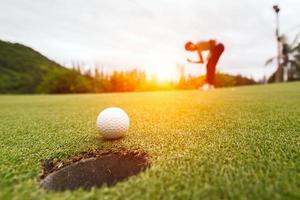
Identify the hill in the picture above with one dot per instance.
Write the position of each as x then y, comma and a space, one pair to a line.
22, 68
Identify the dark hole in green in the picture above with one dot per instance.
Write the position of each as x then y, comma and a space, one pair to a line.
96, 171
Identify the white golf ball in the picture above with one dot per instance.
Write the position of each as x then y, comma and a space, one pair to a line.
112, 123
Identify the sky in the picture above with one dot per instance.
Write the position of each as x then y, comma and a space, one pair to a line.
150, 34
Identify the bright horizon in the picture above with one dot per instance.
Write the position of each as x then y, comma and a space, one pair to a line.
150, 36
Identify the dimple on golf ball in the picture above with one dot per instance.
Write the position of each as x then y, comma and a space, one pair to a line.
112, 123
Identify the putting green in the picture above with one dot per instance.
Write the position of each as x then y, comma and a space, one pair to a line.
228, 143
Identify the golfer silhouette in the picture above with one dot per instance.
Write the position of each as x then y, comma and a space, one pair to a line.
215, 51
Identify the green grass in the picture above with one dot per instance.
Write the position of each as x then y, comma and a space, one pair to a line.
235, 143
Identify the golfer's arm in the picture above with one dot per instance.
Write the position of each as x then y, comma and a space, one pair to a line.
202, 46
200, 56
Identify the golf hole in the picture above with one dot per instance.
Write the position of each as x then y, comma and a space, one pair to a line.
92, 170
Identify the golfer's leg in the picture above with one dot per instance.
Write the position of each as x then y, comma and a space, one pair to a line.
212, 63
210, 71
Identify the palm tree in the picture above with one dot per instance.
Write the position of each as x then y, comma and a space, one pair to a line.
289, 59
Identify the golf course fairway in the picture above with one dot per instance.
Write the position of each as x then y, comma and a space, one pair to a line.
232, 143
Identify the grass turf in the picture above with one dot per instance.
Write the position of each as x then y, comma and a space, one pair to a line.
228, 143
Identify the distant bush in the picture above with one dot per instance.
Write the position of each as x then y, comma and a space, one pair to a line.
64, 81
221, 80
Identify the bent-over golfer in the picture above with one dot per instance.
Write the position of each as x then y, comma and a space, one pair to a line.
215, 51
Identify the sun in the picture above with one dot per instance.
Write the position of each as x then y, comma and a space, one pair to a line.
162, 71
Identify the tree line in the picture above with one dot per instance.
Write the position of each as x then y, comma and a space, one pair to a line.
78, 81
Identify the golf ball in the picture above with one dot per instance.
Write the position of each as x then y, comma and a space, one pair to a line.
112, 123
